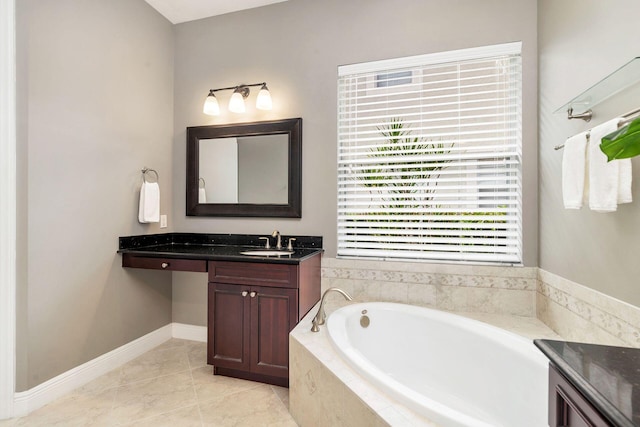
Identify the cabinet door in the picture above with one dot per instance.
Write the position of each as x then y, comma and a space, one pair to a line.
228, 326
568, 407
273, 316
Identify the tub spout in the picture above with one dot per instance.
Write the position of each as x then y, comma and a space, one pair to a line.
320, 316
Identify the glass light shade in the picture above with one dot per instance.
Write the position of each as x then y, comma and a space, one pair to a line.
236, 103
211, 106
264, 99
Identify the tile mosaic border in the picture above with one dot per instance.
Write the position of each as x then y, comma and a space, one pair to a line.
574, 311
485, 289
579, 313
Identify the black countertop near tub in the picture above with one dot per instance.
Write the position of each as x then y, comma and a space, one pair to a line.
216, 247
607, 376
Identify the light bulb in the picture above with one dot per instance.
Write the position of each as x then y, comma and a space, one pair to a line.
264, 99
236, 103
211, 106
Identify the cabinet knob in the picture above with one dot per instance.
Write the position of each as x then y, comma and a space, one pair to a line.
245, 293
252, 294
164, 265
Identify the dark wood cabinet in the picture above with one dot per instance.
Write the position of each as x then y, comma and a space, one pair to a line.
160, 263
274, 315
568, 407
229, 312
252, 309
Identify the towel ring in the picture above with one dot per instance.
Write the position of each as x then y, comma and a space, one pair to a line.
145, 170
204, 183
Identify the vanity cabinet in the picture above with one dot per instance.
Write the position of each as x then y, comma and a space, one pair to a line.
252, 308
160, 263
568, 407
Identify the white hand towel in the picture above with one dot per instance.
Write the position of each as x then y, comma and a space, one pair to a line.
149, 208
624, 181
603, 175
202, 195
574, 161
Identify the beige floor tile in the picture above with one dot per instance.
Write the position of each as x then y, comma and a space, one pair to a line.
197, 353
105, 382
172, 343
184, 417
283, 394
209, 386
153, 397
155, 363
74, 410
168, 386
256, 407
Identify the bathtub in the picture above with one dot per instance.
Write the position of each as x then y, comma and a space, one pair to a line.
452, 370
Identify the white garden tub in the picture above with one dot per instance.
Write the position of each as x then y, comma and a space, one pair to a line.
452, 370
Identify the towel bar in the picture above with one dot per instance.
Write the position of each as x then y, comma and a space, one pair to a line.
626, 119
586, 116
145, 170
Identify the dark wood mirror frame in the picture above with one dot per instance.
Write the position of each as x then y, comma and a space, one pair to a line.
293, 209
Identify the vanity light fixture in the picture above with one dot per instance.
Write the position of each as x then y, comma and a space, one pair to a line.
236, 103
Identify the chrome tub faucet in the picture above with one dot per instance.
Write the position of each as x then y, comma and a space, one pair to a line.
320, 316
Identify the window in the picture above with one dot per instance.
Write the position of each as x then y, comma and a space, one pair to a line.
429, 157
393, 79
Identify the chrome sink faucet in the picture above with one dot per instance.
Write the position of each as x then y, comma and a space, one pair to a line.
320, 316
266, 242
276, 233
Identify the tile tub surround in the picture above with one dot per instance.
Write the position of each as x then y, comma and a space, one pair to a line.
575, 312
325, 391
579, 313
466, 288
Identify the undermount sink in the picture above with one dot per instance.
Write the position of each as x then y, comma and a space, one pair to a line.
266, 252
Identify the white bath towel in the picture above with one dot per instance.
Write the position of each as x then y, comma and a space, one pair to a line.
603, 175
149, 208
624, 181
574, 161
202, 195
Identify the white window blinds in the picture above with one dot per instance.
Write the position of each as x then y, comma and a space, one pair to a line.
429, 157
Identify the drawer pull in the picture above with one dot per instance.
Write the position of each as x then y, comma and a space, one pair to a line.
245, 293
164, 265
252, 294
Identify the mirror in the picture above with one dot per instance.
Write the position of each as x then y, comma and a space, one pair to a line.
245, 170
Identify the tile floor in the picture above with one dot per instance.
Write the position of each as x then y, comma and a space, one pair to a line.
171, 385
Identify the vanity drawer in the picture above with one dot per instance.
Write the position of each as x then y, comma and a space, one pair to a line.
173, 264
254, 273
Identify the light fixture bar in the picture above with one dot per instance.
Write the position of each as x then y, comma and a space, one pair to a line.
235, 87
236, 104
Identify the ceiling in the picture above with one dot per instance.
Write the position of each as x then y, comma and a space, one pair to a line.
178, 11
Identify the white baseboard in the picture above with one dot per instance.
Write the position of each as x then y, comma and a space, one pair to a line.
189, 332
32, 399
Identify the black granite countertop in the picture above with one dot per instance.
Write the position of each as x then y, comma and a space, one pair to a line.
609, 377
216, 247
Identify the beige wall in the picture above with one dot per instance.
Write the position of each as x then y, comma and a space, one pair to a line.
95, 105
580, 42
98, 91
296, 47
